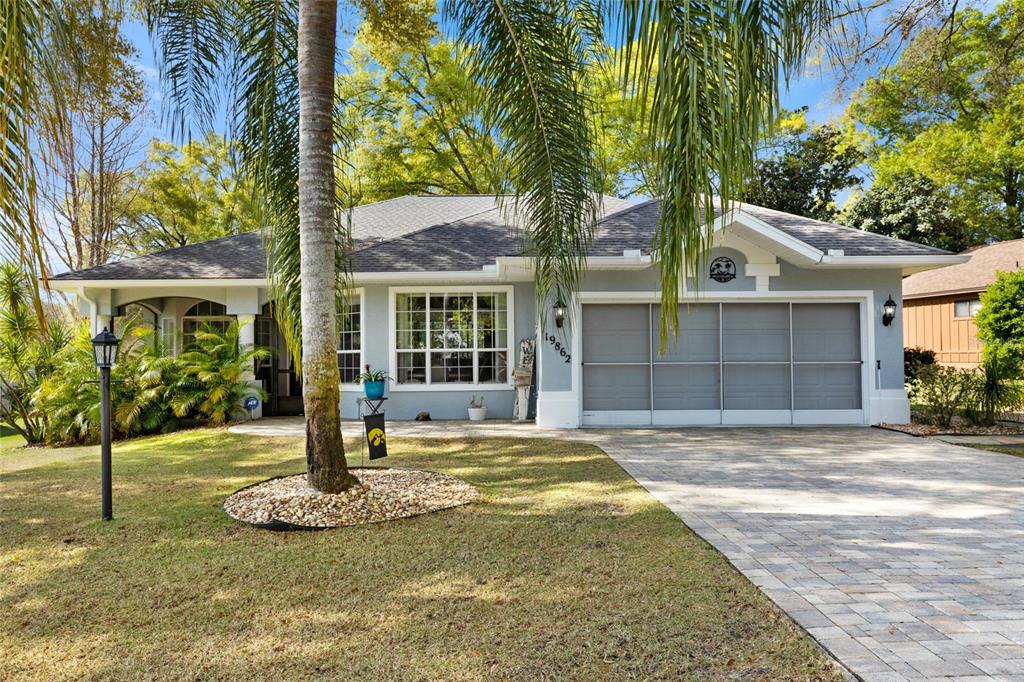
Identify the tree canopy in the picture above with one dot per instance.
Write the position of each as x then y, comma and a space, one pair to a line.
951, 109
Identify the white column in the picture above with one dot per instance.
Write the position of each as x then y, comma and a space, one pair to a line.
246, 340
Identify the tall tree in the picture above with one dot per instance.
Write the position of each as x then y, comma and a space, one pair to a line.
321, 393
98, 105
912, 207
805, 170
187, 194
952, 109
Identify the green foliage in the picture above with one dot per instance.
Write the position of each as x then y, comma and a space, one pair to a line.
805, 171
139, 391
212, 380
151, 392
914, 360
1000, 321
951, 109
998, 385
29, 353
943, 391
909, 206
186, 195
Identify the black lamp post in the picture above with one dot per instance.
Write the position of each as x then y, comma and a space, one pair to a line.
104, 349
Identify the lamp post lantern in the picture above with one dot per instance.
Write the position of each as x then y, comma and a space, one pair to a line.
104, 348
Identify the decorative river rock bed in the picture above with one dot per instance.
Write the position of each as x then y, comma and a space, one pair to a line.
382, 494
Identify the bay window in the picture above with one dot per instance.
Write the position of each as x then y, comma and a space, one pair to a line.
452, 337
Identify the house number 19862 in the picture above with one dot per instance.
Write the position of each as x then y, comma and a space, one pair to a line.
559, 348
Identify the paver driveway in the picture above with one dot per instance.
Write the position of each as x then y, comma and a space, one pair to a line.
903, 557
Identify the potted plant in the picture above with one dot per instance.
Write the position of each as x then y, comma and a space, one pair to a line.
477, 409
373, 382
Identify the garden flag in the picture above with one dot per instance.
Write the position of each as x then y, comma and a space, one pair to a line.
375, 435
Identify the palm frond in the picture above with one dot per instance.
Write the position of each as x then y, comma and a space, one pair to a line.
531, 56
716, 69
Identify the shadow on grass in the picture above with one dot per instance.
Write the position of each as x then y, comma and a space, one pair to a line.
565, 569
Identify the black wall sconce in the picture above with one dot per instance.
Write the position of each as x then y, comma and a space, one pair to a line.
559, 314
888, 311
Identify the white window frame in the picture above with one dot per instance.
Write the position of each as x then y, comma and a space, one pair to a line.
169, 328
973, 307
359, 294
428, 291
202, 318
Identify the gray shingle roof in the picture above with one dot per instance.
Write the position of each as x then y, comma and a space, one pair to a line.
445, 233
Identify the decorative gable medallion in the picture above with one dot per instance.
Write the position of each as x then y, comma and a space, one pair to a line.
723, 269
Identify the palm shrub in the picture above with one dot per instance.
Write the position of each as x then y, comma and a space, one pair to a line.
139, 389
29, 352
213, 380
997, 385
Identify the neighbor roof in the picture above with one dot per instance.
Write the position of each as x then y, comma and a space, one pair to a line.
973, 276
464, 233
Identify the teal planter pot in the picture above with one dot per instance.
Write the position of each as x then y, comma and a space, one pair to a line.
374, 390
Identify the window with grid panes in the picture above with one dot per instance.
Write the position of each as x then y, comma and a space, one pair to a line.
350, 342
452, 338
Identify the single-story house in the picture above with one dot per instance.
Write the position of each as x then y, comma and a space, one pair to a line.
783, 325
939, 305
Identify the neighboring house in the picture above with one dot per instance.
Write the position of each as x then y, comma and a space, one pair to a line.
939, 305
783, 325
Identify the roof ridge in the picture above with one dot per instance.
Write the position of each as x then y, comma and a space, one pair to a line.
628, 209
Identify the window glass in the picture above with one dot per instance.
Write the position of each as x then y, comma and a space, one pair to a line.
967, 308
452, 337
349, 342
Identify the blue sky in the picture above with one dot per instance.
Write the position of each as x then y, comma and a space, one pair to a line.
814, 90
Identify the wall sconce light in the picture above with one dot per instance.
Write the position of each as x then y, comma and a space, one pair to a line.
559, 314
888, 311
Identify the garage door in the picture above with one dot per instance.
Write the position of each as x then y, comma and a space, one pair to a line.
730, 363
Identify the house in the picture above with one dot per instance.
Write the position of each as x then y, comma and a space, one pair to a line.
939, 305
782, 325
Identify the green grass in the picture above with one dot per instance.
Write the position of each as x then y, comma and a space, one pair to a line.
11, 444
565, 570
1015, 450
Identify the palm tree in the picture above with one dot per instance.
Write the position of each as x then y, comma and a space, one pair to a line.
712, 68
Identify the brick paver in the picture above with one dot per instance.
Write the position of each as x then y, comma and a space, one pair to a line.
903, 557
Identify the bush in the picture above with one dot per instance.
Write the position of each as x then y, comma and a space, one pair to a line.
997, 385
943, 391
914, 359
1001, 318
151, 392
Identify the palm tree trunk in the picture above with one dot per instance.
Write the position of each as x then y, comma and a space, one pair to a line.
325, 454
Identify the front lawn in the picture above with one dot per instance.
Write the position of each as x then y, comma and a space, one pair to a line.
566, 570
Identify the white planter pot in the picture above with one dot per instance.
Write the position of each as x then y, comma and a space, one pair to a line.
477, 414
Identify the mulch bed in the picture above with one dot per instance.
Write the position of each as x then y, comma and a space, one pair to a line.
382, 494
958, 429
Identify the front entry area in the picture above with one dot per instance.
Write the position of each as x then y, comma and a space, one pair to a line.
777, 363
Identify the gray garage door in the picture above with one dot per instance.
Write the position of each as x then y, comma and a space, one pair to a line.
730, 363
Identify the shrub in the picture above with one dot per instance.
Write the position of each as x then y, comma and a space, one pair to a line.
913, 360
997, 385
29, 351
212, 379
139, 389
943, 391
1001, 318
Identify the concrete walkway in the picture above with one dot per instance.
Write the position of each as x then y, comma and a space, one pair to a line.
903, 557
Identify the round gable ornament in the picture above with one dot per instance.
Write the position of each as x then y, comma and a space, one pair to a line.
723, 269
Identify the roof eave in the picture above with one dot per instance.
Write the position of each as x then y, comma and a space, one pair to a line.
77, 284
945, 292
908, 264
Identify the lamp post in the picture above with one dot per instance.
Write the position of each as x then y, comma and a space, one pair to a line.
104, 349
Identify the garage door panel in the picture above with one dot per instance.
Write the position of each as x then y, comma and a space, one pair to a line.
616, 333
687, 387
697, 338
827, 387
826, 332
755, 332
616, 388
756, 387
